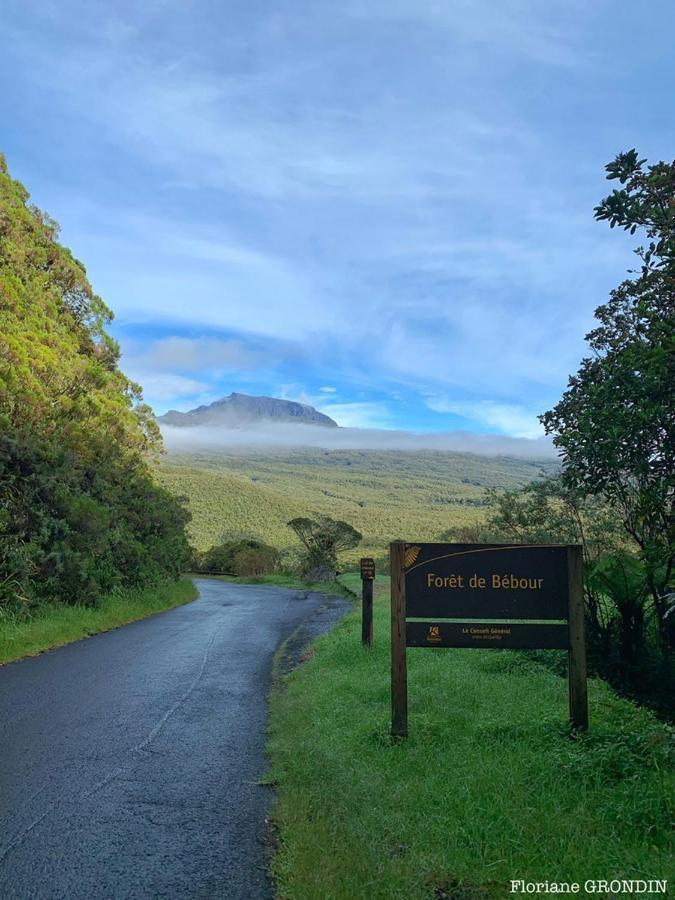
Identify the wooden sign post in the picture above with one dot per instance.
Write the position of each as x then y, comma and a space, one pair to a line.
488, 596
367, 578
577, 648
399, 671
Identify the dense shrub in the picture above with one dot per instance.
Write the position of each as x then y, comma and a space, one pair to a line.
245, 556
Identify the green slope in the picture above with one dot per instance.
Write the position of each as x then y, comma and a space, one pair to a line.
385, 495
222, 504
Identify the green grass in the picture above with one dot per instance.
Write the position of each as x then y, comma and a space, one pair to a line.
488, 787
56, 624
340, 587
384, 495
352, 581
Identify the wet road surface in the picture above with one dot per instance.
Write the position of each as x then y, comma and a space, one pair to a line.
129, 761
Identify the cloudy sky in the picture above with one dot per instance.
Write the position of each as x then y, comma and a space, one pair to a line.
381, 207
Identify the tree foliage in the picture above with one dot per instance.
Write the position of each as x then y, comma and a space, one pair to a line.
622, 624
615, 423
241, 556
323, 538
80, 512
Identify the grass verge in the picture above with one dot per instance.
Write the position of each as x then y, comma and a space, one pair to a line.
488, 787
56, 624
334, 588
352, 581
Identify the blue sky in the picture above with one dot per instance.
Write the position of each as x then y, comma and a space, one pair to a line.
383, 208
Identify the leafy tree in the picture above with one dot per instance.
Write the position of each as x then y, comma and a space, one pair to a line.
80, 511
622, 644
547, 511
323, 538
615, 423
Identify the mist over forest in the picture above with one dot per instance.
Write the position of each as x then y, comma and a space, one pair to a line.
266, 435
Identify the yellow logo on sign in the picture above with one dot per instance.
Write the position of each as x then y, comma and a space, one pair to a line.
434, 633
411, 555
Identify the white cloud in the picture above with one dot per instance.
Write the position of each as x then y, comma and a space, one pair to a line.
327, 390
295, 393
367, 414
215, 250
194, 355
521, 28
508, 419
163, 387
191, 274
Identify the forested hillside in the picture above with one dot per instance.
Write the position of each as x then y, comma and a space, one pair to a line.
79, 511
384, 494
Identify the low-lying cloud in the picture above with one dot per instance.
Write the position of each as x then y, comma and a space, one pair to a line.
272, 436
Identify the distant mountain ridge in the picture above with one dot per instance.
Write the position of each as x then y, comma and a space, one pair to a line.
239, 410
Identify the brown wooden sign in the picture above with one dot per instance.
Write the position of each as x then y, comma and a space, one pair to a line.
510, 596
367, 578
367, 569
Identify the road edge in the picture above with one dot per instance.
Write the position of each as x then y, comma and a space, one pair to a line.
178, 593
293, 652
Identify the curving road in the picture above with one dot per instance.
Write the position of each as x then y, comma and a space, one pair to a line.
129, 761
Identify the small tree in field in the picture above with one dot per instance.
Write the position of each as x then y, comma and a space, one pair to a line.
615, 423
323, 538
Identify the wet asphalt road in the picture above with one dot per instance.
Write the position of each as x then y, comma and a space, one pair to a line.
129, 761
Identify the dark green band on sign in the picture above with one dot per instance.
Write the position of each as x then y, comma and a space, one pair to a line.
480, 635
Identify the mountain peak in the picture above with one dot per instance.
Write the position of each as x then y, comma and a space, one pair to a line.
239, 410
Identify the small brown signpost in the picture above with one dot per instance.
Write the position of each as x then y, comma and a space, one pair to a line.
487, 595
367, 578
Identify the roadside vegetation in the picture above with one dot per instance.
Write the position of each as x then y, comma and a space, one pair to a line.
337, 587
489, 786
81, 515
238, 556
615, 429
54, 624
321, 539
